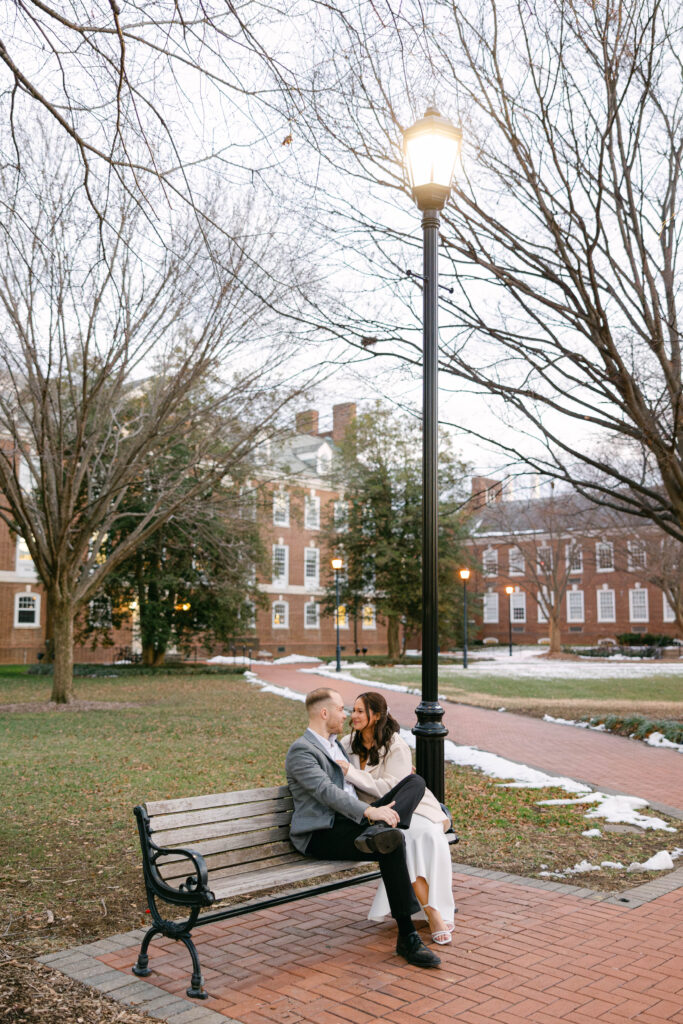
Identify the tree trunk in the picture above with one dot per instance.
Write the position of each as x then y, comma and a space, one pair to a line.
392, 638
62, 618
555, 636
158, 658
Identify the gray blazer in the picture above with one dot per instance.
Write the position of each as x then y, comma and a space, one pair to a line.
316, 783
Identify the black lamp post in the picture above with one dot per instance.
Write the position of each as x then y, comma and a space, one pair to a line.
510, 591
337, 565
431, 148
464, 576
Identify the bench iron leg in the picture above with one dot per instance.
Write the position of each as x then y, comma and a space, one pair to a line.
141, 967
196, 989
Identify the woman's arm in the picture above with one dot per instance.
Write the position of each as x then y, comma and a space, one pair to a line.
377, 780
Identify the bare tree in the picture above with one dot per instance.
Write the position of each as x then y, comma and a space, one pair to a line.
563, 232
653, 557
117, 355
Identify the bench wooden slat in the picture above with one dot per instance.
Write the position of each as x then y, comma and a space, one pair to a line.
237, 842
165, 822
280, 877
249, 855
193, 803
191, 836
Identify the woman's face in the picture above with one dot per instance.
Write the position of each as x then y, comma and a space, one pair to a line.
359, 716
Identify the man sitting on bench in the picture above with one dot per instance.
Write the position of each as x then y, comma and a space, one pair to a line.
329, 822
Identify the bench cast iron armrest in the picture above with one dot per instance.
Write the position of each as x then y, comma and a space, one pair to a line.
194, 891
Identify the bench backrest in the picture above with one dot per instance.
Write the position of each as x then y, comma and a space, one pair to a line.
234, 832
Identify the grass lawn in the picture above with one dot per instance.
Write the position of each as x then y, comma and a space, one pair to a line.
657, 695
71, 778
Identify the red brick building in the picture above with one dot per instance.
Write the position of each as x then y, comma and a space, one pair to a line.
299, 501
598, 570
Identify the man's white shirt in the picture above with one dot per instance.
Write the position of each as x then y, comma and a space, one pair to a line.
335, 753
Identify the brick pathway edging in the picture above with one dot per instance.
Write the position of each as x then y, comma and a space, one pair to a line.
81, 964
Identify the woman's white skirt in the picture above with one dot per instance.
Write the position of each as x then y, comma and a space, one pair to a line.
428, 856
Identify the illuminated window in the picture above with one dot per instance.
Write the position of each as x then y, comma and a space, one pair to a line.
343, 618
368, 617
280, 615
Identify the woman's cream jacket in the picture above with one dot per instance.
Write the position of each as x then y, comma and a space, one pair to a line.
395, 762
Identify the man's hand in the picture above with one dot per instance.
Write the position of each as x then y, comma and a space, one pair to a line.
344, 765
384, 813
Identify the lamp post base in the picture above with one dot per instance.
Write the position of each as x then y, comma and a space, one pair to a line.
429, 738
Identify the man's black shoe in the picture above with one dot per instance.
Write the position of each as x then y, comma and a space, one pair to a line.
379, 839
415, 952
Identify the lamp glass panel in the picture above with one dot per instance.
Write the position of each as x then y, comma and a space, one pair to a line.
431, 158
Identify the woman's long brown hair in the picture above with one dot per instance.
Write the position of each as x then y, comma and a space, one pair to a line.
385, 727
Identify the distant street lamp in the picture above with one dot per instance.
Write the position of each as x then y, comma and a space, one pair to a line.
337, 565
510, 591
464, 576
431, 147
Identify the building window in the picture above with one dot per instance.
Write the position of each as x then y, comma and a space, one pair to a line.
249, 615
311, 568
607, 611
340, 516
280, 564
280, 615
24, 562
668, 614
99, 613
638, 605
490, 607
26, 611
516, 562
311, 615
281, 509
340, 614
311, 513
323, 461
544, 601
544, 560
637, 557
518, 606
604, 556
368, 617
575, 607
573, 554
490, 562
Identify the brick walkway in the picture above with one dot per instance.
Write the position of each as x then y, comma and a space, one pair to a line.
601, 759
524, 950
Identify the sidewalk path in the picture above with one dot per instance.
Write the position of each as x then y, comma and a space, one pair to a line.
603, 760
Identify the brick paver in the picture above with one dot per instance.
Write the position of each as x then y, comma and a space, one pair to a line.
601, 759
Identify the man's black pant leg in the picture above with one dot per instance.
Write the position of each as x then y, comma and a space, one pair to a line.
405, 795
337, 843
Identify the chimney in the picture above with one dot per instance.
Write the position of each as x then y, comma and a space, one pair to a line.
342, 415
307, 422
485, 491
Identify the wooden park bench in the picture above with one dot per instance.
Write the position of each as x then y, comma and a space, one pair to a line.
204, 849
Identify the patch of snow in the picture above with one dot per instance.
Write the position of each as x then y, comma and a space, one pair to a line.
658, 739
592, 832
294, 659
615, 810
611, 864
502, 709
662, 861
279, 691
224, 659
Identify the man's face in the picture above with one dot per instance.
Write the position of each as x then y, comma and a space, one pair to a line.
336, 716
